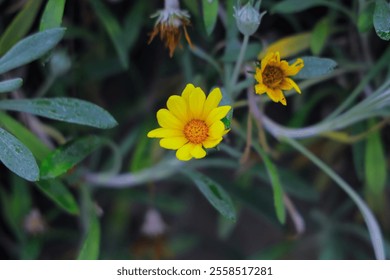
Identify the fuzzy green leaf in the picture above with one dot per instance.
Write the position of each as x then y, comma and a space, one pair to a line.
315, 67
65, 157
210, 14
17, 157
52, 15
69, 110
59, 194
31, 48
319, 36
382, 19
10, 85
214, 193
365, 19
20, 25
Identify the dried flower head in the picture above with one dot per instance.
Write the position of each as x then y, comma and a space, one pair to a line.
170, 23
273, 76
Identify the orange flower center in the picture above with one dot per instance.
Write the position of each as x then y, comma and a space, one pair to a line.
196, 131
272, 76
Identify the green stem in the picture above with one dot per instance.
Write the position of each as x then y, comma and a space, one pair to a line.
372, 224
237, 68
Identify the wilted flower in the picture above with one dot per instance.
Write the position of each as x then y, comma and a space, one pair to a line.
34, 222
273, 76
169, 24
191, 122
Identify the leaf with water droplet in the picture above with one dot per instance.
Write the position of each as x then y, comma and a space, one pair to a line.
17, 157
69, 110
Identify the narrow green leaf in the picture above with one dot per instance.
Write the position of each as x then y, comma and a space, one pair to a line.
32, 142
214, 193
30, 48
275, 182
59, 194
113, 29
63, 109
294, 6
375, 164
315, 67
90, 248
20, 25
10, 85
65, 157
319, 36
52, 15
210, 13
382, 19
17, 157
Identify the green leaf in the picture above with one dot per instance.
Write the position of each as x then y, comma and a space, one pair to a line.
32, 142
226, 100
63, 109
90, 248
17, 157
214, 193
52, 15
10, 85
365, 19
375, 164
275, 182
65, 157
382, 19
59, 194
113, 29
31, 48
315, 67
20, 25
294, 6
319, 36
210, 13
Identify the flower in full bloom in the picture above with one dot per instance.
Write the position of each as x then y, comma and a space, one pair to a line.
191, 123
273, 76
169, 24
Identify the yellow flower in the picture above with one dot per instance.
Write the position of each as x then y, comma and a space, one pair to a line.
191, 123
168, 24
273, 76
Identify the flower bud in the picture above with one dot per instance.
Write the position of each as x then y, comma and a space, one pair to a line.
248, 18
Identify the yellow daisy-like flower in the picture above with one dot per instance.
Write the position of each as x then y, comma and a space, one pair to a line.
273, 76
191, 123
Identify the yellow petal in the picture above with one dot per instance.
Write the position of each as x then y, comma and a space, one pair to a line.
266, 59
276, 95
178, 107
196, 102
164, 132
186, 92
212, 101
217, 114
184, 152
198, 152
293, 84
173, 143
294, 68
259, 75
216, 129
260, 88
168, 120
211, 142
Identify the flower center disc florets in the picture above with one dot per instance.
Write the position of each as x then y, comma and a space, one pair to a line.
272, 76
196, 131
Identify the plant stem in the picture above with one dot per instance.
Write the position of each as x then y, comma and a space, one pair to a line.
369, 218
237, 68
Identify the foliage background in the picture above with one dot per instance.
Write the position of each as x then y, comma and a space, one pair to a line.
104, 58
